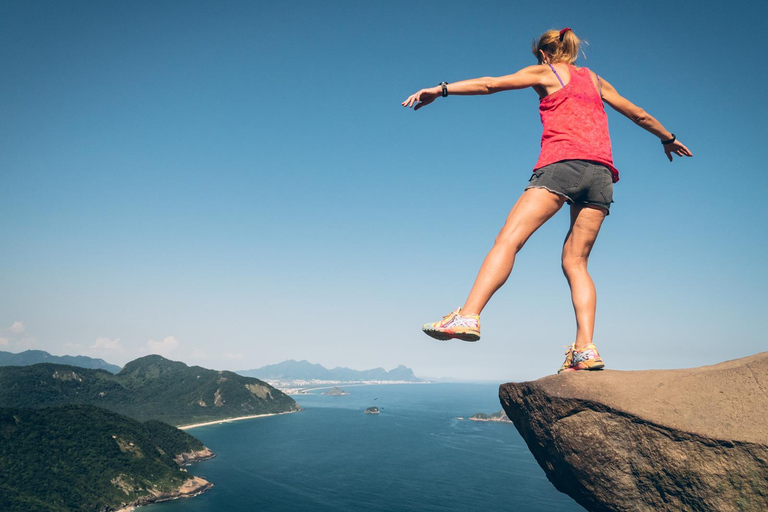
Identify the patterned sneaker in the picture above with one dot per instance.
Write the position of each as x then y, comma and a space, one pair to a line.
454, 325
584, 359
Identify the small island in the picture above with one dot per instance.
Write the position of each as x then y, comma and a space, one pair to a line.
336, 391
372, 410
499, 416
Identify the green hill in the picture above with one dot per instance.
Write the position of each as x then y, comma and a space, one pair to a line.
150, 387
82, 458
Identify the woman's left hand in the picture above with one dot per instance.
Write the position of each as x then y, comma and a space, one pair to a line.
422, 98
676, 148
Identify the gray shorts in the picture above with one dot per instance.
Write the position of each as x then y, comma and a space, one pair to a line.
578, 181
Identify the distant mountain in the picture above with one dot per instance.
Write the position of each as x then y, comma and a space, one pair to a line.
76, 458
150, 387
304, 370
30, 357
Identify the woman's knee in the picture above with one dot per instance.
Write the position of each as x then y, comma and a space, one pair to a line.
511, 239
573, 264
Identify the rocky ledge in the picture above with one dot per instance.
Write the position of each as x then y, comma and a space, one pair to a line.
183, 459
675, 440
192, 487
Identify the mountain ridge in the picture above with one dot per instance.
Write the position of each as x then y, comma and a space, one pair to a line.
150, 387
30, 357
291, 370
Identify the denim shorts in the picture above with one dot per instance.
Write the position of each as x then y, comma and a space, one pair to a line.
578, 181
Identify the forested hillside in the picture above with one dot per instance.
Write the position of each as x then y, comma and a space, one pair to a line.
151, 387
85, 458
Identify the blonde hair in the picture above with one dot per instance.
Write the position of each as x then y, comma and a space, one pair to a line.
560, 49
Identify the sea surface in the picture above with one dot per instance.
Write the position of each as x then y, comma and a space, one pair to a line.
414, 456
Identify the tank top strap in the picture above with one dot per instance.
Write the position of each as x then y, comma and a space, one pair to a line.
555, 72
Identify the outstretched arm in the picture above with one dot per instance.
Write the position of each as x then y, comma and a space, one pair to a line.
526, 77
642, 119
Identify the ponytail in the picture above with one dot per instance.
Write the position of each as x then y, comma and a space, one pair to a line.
561, 46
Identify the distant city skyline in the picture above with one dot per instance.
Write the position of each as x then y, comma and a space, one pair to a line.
236, 184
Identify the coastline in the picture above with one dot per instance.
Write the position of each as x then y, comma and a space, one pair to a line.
192, 487
492, 420
305, 390
238, 418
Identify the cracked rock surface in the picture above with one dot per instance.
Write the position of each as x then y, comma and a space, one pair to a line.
693, 439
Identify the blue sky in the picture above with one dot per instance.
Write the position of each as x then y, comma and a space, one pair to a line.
233, 184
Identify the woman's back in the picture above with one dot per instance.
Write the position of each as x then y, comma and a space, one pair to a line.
574, 121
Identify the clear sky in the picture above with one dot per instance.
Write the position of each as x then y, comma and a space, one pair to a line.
235, 183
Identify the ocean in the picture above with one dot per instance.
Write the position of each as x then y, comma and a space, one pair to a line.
414, 456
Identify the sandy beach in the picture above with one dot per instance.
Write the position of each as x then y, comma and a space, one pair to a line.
187, 427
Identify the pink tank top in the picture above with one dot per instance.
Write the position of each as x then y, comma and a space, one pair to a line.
575, 124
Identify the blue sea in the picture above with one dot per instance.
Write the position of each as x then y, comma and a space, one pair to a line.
414, 456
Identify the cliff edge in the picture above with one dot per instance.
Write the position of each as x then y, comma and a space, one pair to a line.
694, 439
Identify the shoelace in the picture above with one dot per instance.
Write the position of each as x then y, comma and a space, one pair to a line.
459, 319
568, 348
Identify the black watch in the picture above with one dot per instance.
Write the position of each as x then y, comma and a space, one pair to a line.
444, 85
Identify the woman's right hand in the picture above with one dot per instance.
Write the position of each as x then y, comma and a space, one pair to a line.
677, 148
422, 98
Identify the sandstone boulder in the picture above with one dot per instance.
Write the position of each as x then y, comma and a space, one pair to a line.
677, 440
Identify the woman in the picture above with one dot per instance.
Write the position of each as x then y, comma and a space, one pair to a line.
575, 167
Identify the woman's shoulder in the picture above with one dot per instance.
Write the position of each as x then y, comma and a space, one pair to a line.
539, 69
585, 71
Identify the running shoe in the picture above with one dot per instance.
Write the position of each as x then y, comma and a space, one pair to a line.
585, 359
455, 325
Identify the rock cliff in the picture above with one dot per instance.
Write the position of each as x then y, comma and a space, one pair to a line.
694, 439
190, 488
183, 459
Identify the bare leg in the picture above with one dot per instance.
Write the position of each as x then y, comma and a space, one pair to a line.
585, 225
535, 207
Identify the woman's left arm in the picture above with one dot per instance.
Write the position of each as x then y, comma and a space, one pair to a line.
526, 77
643, 119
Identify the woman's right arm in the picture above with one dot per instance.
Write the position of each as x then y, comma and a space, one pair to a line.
642, 119
526, 77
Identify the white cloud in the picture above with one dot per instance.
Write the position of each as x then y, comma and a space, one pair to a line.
166, 346
198, 354
3, 342
26, 342
18, 327
71, 345
107, 344
201, 355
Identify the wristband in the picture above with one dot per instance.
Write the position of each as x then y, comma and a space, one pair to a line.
444, 85
670, 141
